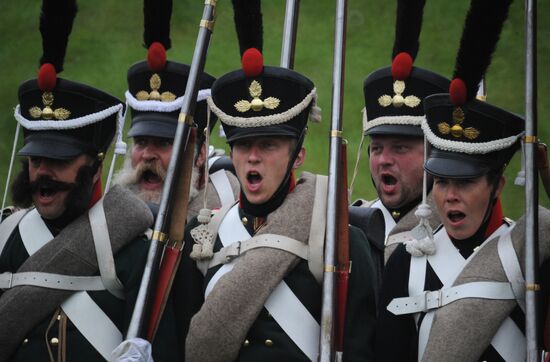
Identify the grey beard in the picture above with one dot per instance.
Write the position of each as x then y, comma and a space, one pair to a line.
129, 178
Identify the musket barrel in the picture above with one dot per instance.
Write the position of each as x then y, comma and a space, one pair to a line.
289, 33
147, 287
531, 183
326, 352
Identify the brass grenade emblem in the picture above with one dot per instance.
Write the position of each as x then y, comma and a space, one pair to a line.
456, 130
256, 104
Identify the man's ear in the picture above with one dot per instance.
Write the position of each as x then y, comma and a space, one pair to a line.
300, 158
500, 186
201, 157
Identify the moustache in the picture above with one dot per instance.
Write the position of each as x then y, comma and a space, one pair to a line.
154, 167
46, 182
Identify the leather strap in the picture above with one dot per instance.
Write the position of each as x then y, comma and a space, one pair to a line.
8, 225
213, 226
509, 342
295, 320
316, 242
93, 323
436, 299
230, 252
390, 222
34, 232
223, 187
447, 262
104, 251
230, 230
417, 279
512, 268
48, 280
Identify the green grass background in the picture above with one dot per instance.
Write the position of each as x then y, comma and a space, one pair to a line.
107, 38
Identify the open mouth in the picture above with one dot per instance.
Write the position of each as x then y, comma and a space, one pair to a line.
389, 179
455, 216
47, 191
253, 177
151, 177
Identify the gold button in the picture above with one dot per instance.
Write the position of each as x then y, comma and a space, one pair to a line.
246, 343
245, 220
25, 341
395, 214
54, 341
268, 343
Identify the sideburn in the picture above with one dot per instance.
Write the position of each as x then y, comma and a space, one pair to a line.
21, 188
79, 198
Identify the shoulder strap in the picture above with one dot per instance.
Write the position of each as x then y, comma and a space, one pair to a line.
390, 222
9, 225
223, 187
216, 220
104, 251
93, 323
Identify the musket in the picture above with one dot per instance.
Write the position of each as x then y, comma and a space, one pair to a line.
289, 33
531, 184
167, 237
328, 311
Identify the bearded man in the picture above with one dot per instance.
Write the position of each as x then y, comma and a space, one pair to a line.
156, 89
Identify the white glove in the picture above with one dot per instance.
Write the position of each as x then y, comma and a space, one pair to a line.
133, 350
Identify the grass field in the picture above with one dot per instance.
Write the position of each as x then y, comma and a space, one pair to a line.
107, 38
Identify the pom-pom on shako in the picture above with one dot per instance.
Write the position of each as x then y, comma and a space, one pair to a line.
47, 77
253, 62
156, 57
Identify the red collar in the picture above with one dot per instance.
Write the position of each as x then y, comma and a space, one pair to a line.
496, 218
96, 194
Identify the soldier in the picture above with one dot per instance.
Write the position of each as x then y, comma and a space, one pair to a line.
71, 265
156, 88
474, 253
391, 118
244, 280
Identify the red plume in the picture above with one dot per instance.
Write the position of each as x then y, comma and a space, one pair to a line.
401, 66
156, 57
253, 62
47, 77
458, 92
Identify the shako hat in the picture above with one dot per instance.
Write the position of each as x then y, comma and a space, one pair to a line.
394, 95
156, 86
62, 119
259, 100
470, 137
